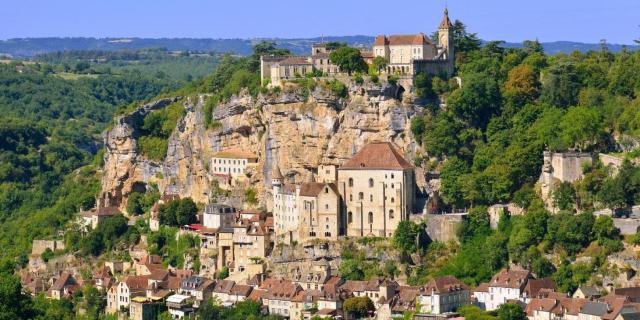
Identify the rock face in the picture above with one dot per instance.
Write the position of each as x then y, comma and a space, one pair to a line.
295, 132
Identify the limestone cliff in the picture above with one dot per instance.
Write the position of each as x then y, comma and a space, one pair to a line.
294, 131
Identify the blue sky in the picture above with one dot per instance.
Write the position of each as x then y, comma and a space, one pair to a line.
510, 20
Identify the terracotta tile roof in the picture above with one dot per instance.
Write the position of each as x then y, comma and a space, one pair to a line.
64, 280
136, 282
276, 173
235, 154
295, 61
172, 283
241, 290
402, 40
535, 287
445, 23
510, 279
280, 289
312, 189
377, 155
108, 211
224, 286
405, 299
257, 294
158, 274
445, 284
631, 292
483, 287
256, 230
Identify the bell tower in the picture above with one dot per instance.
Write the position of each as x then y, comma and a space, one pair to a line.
445, 38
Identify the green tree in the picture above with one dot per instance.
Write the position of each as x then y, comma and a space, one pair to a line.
379, 63
348, 60
511, 311
187, 212
564, 196
358, 307
477, 101
409, 236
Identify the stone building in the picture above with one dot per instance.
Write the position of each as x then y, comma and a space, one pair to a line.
367, 196
443, 294
318, 207
218, 216
410, 54
377, 188
232, 163
278, 68
562, 167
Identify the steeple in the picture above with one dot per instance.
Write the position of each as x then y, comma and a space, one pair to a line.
445, 23
276, 178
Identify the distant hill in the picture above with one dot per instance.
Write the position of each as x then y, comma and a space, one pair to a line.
28, 47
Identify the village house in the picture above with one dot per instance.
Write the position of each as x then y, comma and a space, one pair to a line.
318, 206
218, 216
251, 244
142, 308
232, 164
443, 294
588, 292
119, 296
199, 288
180, 306
63, 287
505, 286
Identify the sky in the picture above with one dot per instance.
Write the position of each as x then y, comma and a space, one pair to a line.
617, 21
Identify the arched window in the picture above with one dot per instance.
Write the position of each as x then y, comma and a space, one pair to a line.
349, 217
370, 182
392, 176
370, 217
360, 196
350, 182
392, 186
392, 200
391, 214
326, 190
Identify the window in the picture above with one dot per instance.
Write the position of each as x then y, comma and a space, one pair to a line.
326, 207
370, 182
392, 200
350, 197
370, 217
349, 217
326, 189
371, 197
350, 182
392, 186
391, 214
360, 196
392, 176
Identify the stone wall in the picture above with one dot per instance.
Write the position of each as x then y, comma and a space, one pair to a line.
442, 227
40, 246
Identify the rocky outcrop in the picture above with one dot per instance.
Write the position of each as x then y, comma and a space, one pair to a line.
294, 131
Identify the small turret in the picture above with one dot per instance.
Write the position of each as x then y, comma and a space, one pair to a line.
276, 178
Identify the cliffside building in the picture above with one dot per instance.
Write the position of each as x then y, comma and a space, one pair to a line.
278, 68
377, 188
410, 54
367, 196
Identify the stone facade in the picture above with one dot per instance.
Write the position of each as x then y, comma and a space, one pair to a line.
275, 69
373, 192
561, 167
377, 187
410, 54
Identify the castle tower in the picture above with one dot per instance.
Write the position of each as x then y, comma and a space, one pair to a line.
445, 36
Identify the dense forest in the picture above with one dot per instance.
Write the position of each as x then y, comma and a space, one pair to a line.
50, 145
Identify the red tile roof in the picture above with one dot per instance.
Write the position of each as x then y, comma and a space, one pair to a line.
402, 40
510, 278
377, 155
445, 284
312, 189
